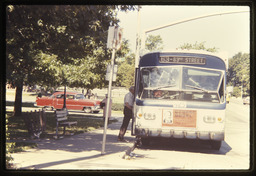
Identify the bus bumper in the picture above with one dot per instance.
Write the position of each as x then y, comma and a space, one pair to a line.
212, 135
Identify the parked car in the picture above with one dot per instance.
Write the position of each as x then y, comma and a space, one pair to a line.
246, 101
74, 101
228, 98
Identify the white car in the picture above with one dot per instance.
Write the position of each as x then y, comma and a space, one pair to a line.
246, 101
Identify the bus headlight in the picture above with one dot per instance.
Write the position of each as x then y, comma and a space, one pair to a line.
139, 114
209, 119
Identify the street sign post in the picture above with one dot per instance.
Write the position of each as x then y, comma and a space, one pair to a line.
114, 43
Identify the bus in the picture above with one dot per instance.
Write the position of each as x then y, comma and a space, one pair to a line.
180, 94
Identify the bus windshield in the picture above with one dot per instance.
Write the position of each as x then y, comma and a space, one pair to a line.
181, 83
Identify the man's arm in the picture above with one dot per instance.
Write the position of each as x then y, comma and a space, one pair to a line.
128, 106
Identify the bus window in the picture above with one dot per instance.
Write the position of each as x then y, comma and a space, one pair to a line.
158, 77
204, 79
194, 84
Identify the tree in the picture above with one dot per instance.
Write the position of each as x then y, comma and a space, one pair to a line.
198, 46
154, 43
72, 37
126, 69
239, 72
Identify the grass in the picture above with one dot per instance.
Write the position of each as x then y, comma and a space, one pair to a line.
18, 131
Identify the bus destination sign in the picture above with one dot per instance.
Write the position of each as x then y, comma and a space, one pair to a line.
182, 60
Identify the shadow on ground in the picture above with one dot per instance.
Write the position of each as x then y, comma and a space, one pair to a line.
186, 145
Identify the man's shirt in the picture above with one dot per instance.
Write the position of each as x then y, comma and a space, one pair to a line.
128, 99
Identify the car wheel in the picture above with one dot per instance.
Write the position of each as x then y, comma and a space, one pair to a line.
87, 110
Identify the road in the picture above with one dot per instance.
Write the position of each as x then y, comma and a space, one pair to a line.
183, 154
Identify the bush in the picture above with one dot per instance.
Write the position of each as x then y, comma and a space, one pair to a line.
117, 107
9, 146
236, 92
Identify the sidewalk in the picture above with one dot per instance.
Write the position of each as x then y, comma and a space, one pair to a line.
82, 151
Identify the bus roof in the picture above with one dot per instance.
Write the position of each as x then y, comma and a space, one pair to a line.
221, 56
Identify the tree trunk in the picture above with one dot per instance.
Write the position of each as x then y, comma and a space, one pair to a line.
18, 100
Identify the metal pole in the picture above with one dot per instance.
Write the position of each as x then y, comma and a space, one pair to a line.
138, 40
184, 21
192, 19
108, 101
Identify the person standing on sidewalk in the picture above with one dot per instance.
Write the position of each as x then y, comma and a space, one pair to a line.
128, 105
103, 105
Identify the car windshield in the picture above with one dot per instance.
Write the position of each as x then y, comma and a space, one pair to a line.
80, 96
180, 83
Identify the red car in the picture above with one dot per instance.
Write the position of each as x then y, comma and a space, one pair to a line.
74, 101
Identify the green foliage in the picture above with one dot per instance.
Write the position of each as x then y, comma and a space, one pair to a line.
236, 92
126, 69
154, 43
54, 45
198, 46
117, 107
239, 72
9, 145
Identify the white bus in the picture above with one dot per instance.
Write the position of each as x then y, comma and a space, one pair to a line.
180, 95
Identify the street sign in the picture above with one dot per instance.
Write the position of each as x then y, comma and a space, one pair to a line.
118, 33
111, 36
114, 37
108, 72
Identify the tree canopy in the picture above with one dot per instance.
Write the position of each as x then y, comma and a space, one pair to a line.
198, 46
239, 72
126, 69
154, 42
58, 44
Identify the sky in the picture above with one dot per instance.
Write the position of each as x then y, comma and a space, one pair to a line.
229, 33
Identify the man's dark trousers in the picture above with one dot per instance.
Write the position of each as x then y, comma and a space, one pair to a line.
126, 120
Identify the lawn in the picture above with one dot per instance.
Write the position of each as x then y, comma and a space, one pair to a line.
18, 131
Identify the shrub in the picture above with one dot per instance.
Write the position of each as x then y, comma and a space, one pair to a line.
9, 146
117, 107
236, 92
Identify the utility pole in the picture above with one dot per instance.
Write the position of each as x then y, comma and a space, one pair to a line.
138, 39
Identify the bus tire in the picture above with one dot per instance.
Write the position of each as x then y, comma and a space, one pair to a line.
215, 145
